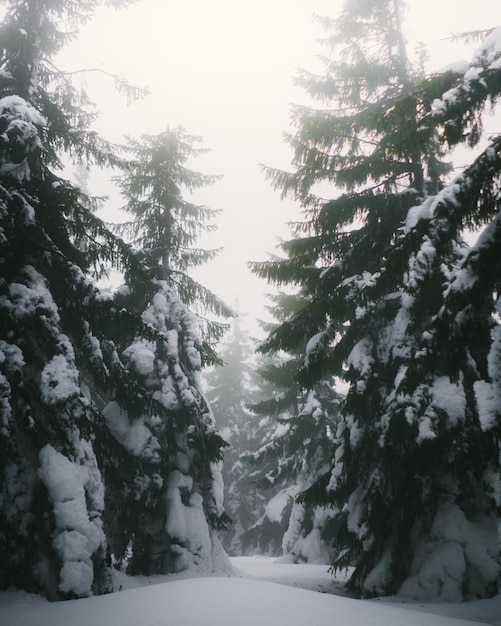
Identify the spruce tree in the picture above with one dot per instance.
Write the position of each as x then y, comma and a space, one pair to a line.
383, 268
52, 538
291, 451
231, 387
66, 383
165, 225
174, 504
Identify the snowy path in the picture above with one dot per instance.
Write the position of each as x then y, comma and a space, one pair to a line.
312, 577
242, 600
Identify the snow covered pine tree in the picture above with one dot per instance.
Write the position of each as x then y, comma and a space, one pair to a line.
52, 495
291, 450
401, 308
231, 387
174, 505
59, 365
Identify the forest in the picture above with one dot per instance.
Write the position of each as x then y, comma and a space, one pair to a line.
143, 432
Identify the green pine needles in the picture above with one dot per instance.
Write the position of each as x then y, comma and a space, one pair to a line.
399, 307
108, 447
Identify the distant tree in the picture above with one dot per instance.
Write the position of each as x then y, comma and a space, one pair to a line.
291, 451
175, 490
231, 387
400, 308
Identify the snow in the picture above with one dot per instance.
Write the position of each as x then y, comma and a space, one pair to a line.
176, 515
488, 403
172, 344
425, 427
314, 342
417, 213
59, 380
77, 537
217, 489
457, 67
486, 58
312, 406
23, 300
11, 360
362, 281
456, 545
20, 108
276, 506
361, 359
489, 51
449, 397
187, 525
426, 210
301, 544
315, 345
195, 545
262, 591
378, 578
473, 73
141, 357
21, 128
166, 305
356, 513
134, 435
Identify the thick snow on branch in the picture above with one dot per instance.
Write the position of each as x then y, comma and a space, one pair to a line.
20, 123
77, 536
456, 547
487, 58
133, 434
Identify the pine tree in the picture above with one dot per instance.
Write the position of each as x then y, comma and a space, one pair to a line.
65, 381
165, 224
231, 387
52, 494
174, 504
291, 451
383, 269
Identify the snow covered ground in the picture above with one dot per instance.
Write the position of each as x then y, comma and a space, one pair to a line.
251, 597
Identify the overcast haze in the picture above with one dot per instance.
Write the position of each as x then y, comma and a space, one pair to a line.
224, 70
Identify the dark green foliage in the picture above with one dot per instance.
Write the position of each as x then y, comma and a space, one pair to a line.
290, 450
74, 415
176, 467
397, 305
46, 417
165, 225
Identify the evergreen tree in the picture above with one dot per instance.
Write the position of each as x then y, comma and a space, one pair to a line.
66, 382
51, 504
231, 387
383, 268
165, 224
293, 450
174, 504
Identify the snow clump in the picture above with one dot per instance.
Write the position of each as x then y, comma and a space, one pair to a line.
77, 537
459, 555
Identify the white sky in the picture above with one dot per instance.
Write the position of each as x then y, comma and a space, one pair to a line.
224, 70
